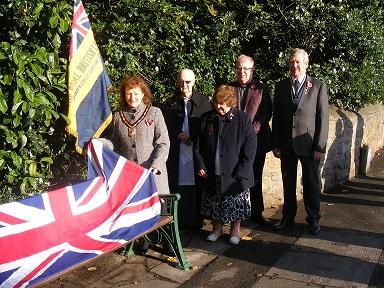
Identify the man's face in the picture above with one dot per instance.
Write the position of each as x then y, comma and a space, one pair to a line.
186, 82
297, 67
244, 71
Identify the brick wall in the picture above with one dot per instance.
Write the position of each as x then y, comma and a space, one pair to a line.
348, 132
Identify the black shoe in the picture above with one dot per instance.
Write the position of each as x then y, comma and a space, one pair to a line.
142, 251
314, 228
284, 222
143, 247
261, 220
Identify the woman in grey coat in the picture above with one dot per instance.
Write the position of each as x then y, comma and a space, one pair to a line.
139, 132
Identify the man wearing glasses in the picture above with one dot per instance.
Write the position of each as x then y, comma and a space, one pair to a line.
254, 98
182, 116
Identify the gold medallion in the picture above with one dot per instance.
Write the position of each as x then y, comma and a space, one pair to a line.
132, 127
131, 131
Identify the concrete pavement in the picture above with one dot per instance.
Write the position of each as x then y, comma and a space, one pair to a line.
347, 253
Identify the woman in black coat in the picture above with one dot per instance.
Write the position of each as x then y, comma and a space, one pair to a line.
224, 153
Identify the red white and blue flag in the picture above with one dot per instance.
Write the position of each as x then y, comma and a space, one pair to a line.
88, 83
49, 233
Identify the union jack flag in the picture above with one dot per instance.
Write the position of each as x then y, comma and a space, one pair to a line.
88, 83
80, 27
48, 233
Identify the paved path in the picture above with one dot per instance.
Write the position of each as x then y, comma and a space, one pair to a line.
347, 253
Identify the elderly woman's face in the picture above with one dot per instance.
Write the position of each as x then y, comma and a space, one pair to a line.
221, 108
134, 96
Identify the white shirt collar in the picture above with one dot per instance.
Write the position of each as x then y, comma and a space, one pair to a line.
301, 79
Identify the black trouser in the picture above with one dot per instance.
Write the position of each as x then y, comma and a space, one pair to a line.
189, 206
311, 186
257, 202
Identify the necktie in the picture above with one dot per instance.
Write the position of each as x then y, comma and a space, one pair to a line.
185, 122
243, 88
297, 87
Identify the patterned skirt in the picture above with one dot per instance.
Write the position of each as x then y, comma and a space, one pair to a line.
226, 209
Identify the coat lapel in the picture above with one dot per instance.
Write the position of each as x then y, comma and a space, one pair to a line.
306, 91
254, 97
237, 94
226, 125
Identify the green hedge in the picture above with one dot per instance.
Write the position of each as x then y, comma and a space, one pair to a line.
156, 39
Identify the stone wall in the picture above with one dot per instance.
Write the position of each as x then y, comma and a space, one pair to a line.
348, 133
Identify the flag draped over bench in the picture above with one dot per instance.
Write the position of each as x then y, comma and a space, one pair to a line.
48, 233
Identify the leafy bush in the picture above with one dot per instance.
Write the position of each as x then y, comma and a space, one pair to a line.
33, 86
157, 38
344, 39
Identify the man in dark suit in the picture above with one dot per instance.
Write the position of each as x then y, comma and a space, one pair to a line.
300, 132
254, 98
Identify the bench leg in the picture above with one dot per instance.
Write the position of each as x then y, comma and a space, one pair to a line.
128, 252
171, 233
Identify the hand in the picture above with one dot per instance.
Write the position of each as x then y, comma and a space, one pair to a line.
277, 152
185, 137
154, 170
202, 173
238, 178
188, 142
317, 155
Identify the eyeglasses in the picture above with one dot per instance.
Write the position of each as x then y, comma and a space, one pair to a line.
186, 82
244, 68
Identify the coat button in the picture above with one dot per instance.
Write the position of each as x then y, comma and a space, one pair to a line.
221, 137
221, 155
133, 146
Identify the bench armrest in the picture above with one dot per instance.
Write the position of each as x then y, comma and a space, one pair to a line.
170, 201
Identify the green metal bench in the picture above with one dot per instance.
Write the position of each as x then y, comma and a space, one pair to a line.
167, 228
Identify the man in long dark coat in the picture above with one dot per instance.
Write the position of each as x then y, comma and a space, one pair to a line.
182, 116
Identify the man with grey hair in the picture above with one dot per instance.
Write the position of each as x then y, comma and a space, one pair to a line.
182, 116
254, 98
300, 132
